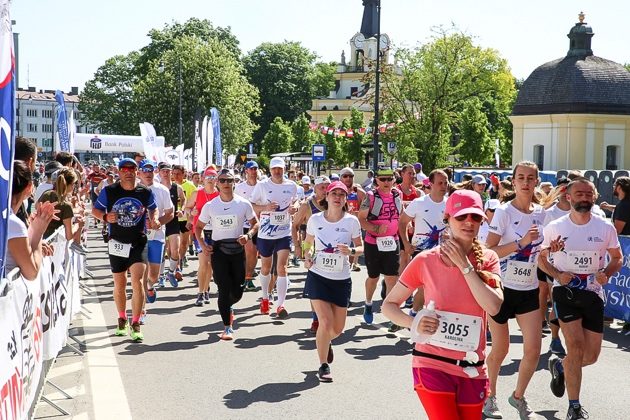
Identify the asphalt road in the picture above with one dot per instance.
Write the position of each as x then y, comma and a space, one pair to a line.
183, 371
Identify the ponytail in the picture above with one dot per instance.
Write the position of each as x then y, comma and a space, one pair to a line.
489, 278
65, 177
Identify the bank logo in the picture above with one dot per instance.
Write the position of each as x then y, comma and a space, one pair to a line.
96, 143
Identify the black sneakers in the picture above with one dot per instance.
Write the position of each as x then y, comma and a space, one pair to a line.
324, 373
576, 412
557, 377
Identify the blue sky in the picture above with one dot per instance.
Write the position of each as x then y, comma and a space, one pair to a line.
63, 42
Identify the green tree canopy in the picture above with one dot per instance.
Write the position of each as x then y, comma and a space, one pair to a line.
322, 78
278, 138
303, 137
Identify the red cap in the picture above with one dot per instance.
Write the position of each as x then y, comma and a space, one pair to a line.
426, 182
210, 172
462, 202
337, 185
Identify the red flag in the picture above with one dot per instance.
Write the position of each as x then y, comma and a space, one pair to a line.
324, 130
350, 133
362, 130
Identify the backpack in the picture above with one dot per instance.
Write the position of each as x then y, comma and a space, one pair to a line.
377, 204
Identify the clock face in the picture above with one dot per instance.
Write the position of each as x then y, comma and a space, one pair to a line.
359, 39
384, 42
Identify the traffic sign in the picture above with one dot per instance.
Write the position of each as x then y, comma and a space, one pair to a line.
391, 147
252, 156
319, 152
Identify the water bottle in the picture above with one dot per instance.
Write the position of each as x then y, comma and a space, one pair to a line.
416, 335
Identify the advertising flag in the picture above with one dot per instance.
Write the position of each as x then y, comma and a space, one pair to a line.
209, 144
196, 142
7, 123
216, 130
72, 131
203, 141
62, 123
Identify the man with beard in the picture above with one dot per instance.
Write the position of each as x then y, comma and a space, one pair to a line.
577, 244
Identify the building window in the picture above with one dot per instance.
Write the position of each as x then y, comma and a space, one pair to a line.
612, 153
32, 128
47, 113
46, 142
30, 112
47, 128
539, 156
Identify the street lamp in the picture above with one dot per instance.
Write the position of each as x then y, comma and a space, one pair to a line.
372, 16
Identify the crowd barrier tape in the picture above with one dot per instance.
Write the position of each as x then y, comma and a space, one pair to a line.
34, 320
617, 291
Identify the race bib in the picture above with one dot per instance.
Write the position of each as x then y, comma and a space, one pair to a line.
278, 218
386, 243
224, 222
119, 249
457, 331
521, 273
583, 262
333, 263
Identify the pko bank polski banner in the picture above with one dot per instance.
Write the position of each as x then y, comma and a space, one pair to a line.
617, 291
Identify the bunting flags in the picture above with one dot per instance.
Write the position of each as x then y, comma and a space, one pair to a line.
350, 132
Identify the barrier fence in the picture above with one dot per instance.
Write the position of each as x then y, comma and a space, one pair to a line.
34, 320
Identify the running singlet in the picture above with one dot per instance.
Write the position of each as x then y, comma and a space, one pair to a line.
327, 261
585, 248
95, 179
275, 224
353, 200
462, 320
225, 219
131, 207
189, 188
163, 202
174, 193
388, 216
202, 198
428, 221
518, 269
244, 190
408, 197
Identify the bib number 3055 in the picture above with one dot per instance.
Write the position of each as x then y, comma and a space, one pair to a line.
457, 331
118, 249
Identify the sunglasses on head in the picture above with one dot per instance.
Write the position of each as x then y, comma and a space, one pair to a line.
347, 176
146, 170
211, 178
386, 179
224, 180
475, 217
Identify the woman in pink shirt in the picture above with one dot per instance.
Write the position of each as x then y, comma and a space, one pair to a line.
462, 280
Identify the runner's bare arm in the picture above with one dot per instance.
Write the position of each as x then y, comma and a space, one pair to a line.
614, 265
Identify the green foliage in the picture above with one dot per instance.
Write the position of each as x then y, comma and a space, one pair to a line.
303, 137
281, 72
476, 145
278, 138
210, 77
432, 94
107, 100
352, 146
333, 151
322, 78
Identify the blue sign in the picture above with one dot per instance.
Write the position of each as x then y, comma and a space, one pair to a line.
216, 130
62, 123
617, 291
7, 125
319, 152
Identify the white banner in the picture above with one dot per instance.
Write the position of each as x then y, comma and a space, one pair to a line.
208, 146
202, 155
97, 143
188, 163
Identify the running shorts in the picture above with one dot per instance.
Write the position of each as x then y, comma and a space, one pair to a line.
182, 226
268, 247
155, 252
516, 302
572, 304
379, 262
336, 292
137, 254
172, 228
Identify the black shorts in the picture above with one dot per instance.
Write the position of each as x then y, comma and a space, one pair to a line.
254, 238
137, 254
572, 304
516, 302
172, 228
542, 276
182, 226
336, 292
379, 262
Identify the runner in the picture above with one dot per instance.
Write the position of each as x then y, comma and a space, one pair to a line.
306, 184
409, 193
245, 189
178, 198
578, 244
515, 235
307, 209
426, 213
198, 199
356, 195
461, 278
155, 244
125, 207
379, 214
274, 200
333, 235
189, 188
51, 168
227, 214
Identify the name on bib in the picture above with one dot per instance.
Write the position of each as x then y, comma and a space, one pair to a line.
457, 331
521, 273
332, 263
224, 222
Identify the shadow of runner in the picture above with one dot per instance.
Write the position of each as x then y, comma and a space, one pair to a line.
270, 393
401, 348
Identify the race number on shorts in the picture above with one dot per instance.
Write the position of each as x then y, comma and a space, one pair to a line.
118, 249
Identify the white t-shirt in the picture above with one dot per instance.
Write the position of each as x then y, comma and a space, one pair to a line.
518, 269
163, 202
244, 190
328, 262
41, 189
15, 229
226, 218
554, 213
585, 247
482, 235
420, 176
104, 183
276, 224
300, 192
428, 221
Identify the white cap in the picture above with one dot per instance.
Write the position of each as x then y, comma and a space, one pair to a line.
306, 180
346, 170
276, 162
322, 179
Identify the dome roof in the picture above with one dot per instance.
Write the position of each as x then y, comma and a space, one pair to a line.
578, 83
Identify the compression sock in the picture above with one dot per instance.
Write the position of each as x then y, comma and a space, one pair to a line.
172, 265
135, 319
314, 316
282, 286
122, 315
264, 284
574, 403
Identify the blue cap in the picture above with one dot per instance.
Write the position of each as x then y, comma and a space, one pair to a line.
334, 177
126, 162
251, 164
147, 162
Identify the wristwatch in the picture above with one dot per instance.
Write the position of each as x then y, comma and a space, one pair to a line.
353, 251
468, 269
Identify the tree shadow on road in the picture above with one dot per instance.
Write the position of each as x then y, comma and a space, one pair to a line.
400, 348
270, 393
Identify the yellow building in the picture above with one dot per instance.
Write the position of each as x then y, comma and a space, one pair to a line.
574, 112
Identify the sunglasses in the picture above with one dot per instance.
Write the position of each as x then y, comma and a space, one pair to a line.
224, 180
347, 176
146, 170
388, 179
211, 178
477, 218
127, 169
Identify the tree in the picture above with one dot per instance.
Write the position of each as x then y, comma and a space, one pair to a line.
303, 137
107, 100
278, 138
476, 145
333, 152
281, 72
322, 79
210, 77
436, 82
353, 149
